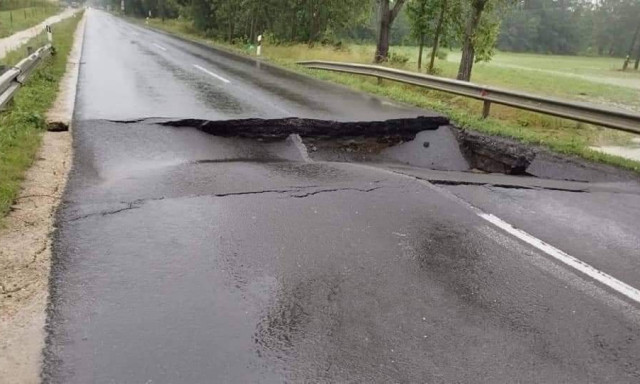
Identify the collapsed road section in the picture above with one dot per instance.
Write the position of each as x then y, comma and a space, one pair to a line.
427, 142
394, 130
236, 257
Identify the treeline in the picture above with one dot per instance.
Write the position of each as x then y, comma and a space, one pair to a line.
478, 27
284, 20
602, 27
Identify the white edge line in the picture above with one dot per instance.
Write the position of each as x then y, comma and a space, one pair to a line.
160, 46
571, 261
211, 74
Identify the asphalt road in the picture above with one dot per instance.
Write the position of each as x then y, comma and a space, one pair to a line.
182, 257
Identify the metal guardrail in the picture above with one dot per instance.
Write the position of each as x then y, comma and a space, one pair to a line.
13, 78
587, 113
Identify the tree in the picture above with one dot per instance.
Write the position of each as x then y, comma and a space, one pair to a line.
417, 12
387, 17
434, 18
468, 48
436, 35
631, 47
479, 34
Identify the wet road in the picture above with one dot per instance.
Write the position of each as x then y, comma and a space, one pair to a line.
183, 257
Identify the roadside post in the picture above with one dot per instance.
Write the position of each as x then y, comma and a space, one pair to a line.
49, 34
259, 50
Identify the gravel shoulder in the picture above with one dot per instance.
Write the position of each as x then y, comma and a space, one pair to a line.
25, 242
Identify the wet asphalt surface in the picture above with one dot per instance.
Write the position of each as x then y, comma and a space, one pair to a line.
181, 257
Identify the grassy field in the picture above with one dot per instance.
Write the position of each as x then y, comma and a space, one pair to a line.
558, 76
587, 79
22, 124
19, 19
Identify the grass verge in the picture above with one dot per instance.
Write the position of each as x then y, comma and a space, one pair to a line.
559, 135
19, 19
22, 124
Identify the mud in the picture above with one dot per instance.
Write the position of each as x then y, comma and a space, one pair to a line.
495, 155
500, 155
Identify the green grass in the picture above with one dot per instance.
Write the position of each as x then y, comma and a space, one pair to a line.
19, 19
13, 57
22, 124
559, 135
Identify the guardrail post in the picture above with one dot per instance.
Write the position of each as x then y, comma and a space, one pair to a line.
486, 108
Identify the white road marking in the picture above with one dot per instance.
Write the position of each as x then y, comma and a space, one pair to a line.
571, 261
212, 74
160, 46
579, 265
596, 291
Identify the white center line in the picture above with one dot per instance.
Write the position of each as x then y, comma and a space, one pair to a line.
212, 74
160, 46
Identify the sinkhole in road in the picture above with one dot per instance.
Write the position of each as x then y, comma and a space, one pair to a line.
426, 141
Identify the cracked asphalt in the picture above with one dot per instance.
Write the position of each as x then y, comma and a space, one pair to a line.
183, 257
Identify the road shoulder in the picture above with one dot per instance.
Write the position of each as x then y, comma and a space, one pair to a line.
25, 243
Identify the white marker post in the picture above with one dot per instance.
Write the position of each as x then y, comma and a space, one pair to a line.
49, 34
259, 50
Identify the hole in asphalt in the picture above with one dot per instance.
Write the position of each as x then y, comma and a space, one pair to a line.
395, 140
427, 142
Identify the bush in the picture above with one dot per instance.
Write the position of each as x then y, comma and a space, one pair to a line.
398, 58
435, 71
442, 55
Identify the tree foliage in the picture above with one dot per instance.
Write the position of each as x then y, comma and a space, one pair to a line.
603, 27
595, 27
437, 20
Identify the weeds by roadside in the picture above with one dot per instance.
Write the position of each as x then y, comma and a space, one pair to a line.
23, 122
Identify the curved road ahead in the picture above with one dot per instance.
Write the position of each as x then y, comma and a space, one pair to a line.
182, 257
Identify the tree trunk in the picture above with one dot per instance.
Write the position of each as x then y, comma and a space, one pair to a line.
312, 23
382, 48
468, 50
633, 45
436, 37
252, 30
420, 51
294, 21
230, 27
387, 16
637, 63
